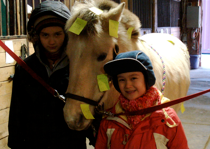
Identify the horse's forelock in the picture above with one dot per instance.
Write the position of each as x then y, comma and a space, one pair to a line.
82, 11
93, 26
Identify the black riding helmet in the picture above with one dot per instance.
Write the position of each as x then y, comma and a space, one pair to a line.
130, 62
47, 8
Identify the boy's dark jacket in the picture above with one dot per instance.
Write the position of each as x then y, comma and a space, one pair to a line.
36, 117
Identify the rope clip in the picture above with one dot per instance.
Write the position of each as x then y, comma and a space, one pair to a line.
100, 110
61, 97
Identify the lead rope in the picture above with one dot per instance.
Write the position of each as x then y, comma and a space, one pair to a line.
31, 72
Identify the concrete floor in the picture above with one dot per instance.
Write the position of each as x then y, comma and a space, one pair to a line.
196, 118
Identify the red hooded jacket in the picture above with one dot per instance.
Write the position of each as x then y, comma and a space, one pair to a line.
161, 129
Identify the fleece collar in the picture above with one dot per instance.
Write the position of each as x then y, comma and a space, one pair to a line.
63, 62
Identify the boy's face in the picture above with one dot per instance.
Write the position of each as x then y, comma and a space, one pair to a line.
52, 38
132, 84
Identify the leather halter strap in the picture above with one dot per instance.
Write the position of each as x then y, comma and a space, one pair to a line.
83, 99
87, 100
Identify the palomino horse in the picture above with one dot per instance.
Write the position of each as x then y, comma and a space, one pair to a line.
93, 47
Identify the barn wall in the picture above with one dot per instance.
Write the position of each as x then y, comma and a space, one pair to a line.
143, 9
168, 13
6, 89
175, 31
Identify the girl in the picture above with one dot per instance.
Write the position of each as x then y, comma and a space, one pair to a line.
133, 77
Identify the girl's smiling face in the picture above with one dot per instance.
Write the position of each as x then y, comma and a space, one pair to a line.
132, 84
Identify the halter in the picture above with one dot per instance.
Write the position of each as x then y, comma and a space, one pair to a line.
98, 108
90, 101
83, 99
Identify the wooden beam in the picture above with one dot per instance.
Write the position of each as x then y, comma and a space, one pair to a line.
130, 5
15, 18
22, 17
154, 16
0, 19
8, 17
18, 17
71, 4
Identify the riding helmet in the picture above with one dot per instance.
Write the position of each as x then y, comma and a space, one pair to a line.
130, 62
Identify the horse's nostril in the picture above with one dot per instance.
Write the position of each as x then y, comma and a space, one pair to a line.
79, 121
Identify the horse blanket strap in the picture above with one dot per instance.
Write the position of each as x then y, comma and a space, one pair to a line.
164, 69
30, 71
167, 104
163, 63
80, 98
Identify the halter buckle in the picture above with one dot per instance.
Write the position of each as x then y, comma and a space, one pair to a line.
100, 110
61, 97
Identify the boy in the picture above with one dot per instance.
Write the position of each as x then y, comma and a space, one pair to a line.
36, 117
133, 77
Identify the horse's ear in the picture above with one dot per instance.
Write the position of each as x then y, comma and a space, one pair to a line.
115, 13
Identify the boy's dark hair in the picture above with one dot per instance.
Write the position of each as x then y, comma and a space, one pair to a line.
47, 13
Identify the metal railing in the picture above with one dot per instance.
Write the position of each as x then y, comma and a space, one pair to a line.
68, 3
14, 16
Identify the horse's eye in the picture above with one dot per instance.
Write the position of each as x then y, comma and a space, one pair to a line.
102, 57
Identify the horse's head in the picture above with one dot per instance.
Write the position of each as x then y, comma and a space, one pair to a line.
90, 50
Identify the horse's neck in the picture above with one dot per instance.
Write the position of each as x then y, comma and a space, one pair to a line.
110, 98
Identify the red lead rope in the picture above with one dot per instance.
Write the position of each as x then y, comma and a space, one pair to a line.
167, 104
56, 94
28, 69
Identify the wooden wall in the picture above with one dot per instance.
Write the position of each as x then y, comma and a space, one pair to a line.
6, 88
169, 13
175, 31
143, 9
